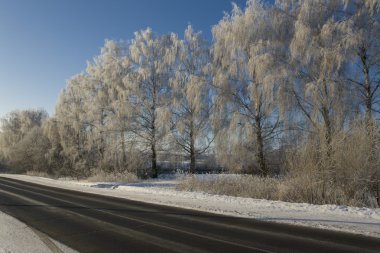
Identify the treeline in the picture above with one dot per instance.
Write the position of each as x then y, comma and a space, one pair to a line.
289, 89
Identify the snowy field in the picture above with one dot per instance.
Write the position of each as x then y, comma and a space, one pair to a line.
162, 191
16, 237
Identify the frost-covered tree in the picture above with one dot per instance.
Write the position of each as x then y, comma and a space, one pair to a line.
22, 144
362, 40
248, 63
30, 153
16, 124
107, 117
324, 52
151, 58
318, 57
191, 101
53, 155
71, 120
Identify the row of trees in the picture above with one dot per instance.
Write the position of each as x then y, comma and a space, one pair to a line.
132, 96
282, 87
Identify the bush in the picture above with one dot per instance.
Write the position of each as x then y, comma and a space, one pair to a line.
350, 176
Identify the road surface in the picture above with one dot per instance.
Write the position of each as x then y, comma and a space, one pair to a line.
94, 223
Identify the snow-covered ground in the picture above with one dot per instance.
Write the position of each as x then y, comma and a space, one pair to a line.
162, 191
16, 237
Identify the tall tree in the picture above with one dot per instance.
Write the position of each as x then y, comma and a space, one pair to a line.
318, 58
191, 105
248, 53
151, 59
362, 40
106, 115
71, 116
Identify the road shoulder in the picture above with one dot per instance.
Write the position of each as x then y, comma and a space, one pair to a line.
17, 237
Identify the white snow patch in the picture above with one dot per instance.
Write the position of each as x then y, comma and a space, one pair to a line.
16, 237
358, 220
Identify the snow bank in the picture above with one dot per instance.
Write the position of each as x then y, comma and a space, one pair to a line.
16, 237
162, 191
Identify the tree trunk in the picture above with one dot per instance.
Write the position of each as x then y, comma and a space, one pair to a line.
368, 101
327, 132
328, 171
154, 162
368, 96
378, 192
101, 146
260, 157
327, 123
102, 142
124, 156
153, 132
79, 148
192, 148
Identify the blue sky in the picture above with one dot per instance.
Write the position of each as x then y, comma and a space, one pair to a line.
44, 42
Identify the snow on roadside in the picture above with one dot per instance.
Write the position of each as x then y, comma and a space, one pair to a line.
16, 237
364, 221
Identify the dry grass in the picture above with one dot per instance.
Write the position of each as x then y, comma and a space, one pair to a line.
232, 185
343, 170
101, 176
38, 174
300, 189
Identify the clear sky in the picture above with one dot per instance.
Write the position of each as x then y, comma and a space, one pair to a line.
44, 42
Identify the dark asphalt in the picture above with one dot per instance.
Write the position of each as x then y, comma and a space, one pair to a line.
93, 223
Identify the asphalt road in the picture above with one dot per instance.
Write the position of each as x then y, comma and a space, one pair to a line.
93, 223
